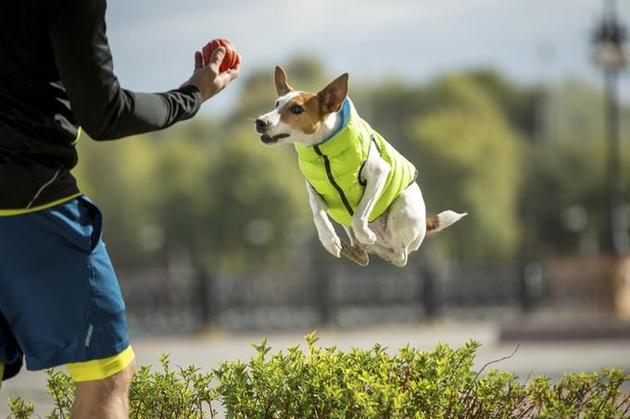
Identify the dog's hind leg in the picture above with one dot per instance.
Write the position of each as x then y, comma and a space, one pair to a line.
354, 252
406, 223
395, 257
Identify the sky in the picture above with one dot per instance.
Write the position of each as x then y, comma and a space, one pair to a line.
530, 41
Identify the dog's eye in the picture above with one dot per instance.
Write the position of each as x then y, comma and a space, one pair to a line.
296, 109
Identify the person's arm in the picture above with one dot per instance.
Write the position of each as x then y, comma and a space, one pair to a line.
104, 109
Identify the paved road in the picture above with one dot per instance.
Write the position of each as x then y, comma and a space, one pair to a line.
552, 359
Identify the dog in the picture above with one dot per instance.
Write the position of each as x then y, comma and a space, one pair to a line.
352, 174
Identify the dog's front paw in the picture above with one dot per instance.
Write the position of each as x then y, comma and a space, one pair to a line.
331, 243
364, 234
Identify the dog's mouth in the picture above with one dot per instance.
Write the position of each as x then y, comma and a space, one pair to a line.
267, 139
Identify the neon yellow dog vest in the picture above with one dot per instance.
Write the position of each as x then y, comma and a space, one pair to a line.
333, 167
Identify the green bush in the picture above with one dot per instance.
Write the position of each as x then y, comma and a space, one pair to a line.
329, 383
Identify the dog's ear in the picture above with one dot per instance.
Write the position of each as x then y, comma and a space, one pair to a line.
282, 87
332, 96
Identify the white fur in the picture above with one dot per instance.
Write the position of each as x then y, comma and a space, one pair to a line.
447, 218
393, 235
276, 126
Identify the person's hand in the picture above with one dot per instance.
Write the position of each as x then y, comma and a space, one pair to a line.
207, 77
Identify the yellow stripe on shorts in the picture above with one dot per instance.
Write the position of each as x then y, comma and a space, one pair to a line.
1, 373
99, 369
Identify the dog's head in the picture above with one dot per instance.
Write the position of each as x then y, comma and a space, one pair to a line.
298, 117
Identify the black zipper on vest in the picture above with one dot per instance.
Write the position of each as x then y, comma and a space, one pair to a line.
332, 181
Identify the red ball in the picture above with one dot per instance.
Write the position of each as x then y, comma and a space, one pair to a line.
231, 58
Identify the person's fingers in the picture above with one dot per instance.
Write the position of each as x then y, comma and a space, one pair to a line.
223, 79
198, 60
234, 73
216, 59
231, 74
236, 70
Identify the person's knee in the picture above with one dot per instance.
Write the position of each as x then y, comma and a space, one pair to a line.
107, 398
108, 387
123, 378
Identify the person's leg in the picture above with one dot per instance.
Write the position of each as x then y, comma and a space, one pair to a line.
107, 398
61, 298
103, 386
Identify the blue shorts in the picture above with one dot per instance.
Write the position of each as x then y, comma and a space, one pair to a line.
60, 301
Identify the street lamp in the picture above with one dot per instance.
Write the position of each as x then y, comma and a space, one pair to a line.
609, 55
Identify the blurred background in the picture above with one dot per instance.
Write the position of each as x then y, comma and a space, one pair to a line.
508, 108
516, 112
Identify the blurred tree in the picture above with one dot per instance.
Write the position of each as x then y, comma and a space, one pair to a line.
551, 191
520, 104
258, 195
564, 197
563, 201
470, 160
574, 112
390, 107
117, 176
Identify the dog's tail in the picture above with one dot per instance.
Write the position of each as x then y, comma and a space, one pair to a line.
442, 220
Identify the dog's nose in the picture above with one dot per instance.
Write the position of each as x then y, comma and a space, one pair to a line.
261, 125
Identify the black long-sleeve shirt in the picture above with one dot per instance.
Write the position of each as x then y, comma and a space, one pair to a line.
56, 73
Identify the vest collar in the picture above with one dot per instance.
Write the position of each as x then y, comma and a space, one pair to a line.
342, 139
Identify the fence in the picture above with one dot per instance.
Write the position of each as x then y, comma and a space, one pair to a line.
299, 297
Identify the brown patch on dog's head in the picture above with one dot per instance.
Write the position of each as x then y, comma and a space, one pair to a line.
306, 111
302, 113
